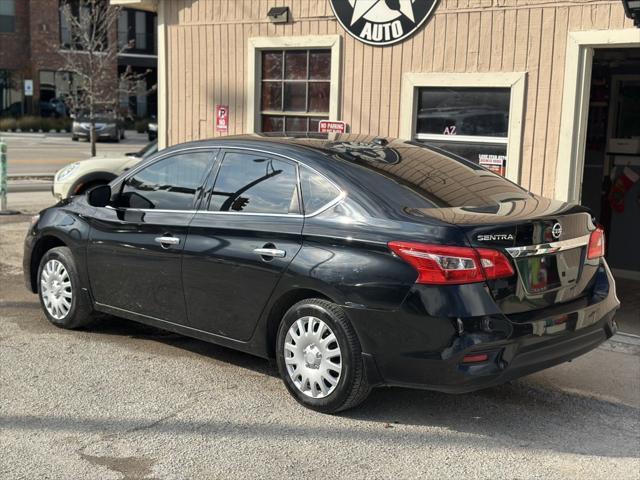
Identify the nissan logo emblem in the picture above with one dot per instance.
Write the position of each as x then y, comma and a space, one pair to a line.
556, 230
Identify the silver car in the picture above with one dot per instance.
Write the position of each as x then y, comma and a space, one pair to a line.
107, 128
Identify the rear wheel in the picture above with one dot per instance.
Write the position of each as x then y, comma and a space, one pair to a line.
60, 291
319, 357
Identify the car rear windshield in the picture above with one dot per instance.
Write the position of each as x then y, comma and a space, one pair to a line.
432, 178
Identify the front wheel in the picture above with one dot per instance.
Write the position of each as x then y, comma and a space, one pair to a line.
60, 291
319, 357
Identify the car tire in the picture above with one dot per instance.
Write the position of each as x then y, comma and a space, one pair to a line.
319, 357
60, 291
74, 139
121, 134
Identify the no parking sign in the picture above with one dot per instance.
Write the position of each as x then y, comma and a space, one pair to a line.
222, 118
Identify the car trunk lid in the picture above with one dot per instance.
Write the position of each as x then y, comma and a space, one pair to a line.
547, 242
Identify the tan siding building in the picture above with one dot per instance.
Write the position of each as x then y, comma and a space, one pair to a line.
207, 47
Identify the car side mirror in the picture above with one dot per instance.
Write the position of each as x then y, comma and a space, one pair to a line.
99, 196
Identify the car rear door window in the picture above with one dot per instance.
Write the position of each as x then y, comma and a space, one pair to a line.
168, 184
252, 182
317, 191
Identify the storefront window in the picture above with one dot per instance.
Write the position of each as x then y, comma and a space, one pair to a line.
7, 16
10, 94
470, 122
55, 88
295, 89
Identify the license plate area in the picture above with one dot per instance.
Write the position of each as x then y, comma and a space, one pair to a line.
544, 273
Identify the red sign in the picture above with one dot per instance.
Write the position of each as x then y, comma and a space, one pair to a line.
328, 126
222, 118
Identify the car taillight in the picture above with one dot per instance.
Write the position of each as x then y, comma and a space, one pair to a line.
596, 244
441, 265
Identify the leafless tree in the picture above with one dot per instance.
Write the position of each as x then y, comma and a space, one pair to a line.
91, 55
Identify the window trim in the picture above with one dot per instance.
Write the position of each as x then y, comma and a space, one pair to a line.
254, 68
515, 81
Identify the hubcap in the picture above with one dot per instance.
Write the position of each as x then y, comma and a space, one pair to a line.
312, 357
55, 288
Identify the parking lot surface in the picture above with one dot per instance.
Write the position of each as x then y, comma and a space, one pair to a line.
125, 401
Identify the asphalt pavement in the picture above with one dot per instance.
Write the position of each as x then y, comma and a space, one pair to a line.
39, 153
126, 401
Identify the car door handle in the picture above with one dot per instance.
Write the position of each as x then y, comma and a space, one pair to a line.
166, 242
270, 252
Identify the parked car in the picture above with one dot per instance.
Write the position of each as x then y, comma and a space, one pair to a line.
108, 127
354, 262
78, 177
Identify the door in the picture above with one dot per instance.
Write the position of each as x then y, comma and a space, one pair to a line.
135, 246
241, 242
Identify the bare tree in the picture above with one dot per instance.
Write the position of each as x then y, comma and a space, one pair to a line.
91, 54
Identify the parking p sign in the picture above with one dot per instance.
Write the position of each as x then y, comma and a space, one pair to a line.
222, 118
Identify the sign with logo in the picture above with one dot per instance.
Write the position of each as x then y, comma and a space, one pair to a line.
222, 118
382, 22
28, 88
328, 126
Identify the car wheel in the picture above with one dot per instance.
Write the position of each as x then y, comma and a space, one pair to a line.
60, 290
74, 139
319, 357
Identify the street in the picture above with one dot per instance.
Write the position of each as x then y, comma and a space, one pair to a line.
122, 400
40, 154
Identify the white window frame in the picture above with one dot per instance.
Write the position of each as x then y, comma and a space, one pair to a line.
515, 81
254, 69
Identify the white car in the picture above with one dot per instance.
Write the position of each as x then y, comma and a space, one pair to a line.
78, 177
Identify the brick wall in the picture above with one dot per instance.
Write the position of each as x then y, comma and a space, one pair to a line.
35, 45
14, 47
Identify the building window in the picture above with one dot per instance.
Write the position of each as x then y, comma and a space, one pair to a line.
477, 116
55, 88
10, 94
136, 32
7, 16
472, 122
81, 10
295, 89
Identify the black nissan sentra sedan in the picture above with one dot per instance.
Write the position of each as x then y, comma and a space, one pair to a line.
355, 262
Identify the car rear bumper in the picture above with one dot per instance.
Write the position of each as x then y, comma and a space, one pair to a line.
410, 349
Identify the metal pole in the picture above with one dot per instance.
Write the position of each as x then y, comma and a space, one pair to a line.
3, 180
3, 175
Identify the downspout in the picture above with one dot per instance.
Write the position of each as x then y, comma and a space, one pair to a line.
162, 75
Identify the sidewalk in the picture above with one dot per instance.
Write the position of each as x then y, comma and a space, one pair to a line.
9, 135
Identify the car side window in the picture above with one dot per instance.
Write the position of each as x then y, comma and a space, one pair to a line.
317, 191
251, 182
169, 184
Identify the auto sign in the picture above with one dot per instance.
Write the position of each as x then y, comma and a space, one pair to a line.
382, 22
